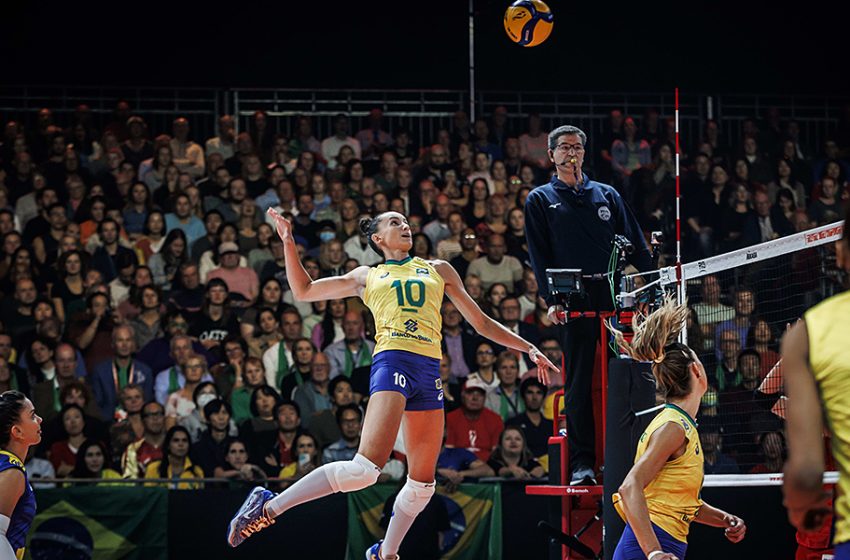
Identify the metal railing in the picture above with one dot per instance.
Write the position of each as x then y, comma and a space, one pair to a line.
422, 112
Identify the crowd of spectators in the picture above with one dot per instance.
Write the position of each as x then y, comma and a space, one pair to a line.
146, 310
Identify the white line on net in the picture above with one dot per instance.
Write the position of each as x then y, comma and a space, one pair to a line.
769, 479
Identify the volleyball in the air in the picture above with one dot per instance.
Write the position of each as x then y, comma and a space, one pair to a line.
528, 22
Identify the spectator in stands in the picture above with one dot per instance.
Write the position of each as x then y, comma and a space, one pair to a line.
473, 426
330, 329
485, 359
509, 314
710, 310
767, 223
827, 203
711, 439
63, 453
457, 464
195, 421
628, 154
307, 450
332, 144
175, 464
92, 461
212, 225
171, 377
241, 280
505, 399
223, 142
248, 375
495, 294
147, 323
496, 266
533, 143
91, 330
759, 169
234, 463
784, 179
119, 287
350, 421
459, 340
132, 399
210, 449
734, 218
774, 452
181, 403
107, 258
353, 350
469, 252
18, 312
536, 428
761, 338
188, 156
45, 395
726, 376
438, 229
745, 306
324, 425
153, 235
450, 246
373, 140
451, 389
312, 397
46, 244
182, 218
108, 377
259, 430
512, 458
216, 320
39, 354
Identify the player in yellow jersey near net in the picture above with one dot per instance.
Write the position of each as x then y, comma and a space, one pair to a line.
660, 496
816, 368
404, 295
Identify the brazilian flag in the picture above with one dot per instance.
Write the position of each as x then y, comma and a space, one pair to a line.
475, 515
99, 523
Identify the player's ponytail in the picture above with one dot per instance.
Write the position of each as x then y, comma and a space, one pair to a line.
656, 340
11, 406
368, 227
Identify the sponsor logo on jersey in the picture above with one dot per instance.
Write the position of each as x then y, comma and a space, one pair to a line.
384, 275
411, 325
422, 272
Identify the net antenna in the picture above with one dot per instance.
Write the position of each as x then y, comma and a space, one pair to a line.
680, 286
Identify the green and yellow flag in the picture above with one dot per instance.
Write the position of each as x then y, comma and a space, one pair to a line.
475, 518
100, 523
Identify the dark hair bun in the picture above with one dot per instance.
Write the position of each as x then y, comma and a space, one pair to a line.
365, 223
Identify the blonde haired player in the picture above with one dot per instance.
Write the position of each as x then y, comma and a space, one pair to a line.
659, 498
404, 295
816, 368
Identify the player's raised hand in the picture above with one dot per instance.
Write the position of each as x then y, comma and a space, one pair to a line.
544, 366
282, 225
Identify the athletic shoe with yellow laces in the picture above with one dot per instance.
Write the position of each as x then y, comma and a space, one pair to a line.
250, 518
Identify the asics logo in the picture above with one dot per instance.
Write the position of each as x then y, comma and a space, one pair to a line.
555, 205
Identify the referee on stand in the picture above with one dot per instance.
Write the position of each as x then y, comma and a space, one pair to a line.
571, 222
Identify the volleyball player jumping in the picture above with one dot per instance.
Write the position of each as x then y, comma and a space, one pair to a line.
20, 428
816, 369
404, 295
660, 496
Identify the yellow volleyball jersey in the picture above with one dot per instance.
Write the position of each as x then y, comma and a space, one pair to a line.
673, 495
405, 298
829, 360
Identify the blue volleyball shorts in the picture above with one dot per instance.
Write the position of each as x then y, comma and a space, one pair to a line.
629, 549
414, 376
842, 551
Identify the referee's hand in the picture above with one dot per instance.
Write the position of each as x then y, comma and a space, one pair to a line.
556, 314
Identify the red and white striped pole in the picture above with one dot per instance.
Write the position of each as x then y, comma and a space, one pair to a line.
680, 285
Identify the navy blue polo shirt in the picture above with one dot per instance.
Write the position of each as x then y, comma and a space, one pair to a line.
575, 228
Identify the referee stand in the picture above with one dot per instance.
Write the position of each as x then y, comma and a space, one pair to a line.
620, 387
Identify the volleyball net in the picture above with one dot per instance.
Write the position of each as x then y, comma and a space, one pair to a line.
741, 303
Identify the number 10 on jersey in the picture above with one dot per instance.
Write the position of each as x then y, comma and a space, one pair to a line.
409, 294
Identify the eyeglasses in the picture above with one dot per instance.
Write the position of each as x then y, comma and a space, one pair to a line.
148, 414
485, 352
550, 348
469, 236
566, 148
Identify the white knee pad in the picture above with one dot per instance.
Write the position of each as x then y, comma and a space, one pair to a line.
414, 496
350, 476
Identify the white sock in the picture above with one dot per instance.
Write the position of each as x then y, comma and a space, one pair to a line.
339, 476
412, 499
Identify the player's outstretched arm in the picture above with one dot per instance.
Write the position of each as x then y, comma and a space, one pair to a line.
305, 288
805, 497
486, 326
